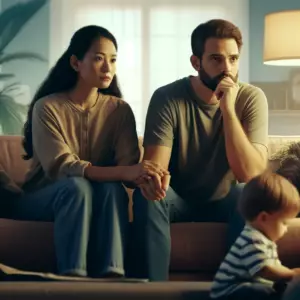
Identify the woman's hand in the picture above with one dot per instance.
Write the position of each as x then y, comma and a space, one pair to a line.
145, 170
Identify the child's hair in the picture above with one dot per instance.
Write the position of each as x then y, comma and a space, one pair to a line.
268, 192
290, 169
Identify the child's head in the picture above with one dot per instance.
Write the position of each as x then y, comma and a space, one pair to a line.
268, 202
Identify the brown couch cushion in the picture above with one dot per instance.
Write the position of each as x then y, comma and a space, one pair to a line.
7, 184
8, 192
195, 246
201, 246
11, 160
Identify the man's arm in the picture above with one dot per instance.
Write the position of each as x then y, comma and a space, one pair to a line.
246, 160
245, 143
155, 188
158, 142
158, 154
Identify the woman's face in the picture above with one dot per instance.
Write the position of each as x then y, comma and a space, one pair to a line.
98, 67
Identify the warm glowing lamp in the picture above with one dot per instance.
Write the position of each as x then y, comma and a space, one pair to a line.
282, 38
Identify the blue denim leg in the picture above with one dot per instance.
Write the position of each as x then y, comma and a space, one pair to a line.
151, 242
109, 231
67, 203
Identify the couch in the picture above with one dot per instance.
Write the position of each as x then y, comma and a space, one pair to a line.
197, 248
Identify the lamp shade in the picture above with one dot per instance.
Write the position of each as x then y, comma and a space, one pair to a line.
282, 38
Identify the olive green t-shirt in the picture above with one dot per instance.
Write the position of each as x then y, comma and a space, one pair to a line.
66, 139
178, 119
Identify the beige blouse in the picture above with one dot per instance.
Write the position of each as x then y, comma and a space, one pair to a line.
66, 139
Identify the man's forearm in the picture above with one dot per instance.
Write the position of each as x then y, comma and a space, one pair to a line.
245, 161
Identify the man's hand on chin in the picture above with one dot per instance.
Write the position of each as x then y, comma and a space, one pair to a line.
226, 92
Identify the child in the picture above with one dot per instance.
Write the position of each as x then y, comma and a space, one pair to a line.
251, 267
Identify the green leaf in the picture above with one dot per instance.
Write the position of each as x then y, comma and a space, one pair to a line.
14, 18
6, 76
20, 56
7, 89
12, 115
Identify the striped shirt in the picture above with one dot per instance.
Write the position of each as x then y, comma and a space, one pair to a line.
250, 253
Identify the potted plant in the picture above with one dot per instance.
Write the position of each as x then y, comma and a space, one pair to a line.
12, 20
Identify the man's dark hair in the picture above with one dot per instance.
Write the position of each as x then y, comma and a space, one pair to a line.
216, 28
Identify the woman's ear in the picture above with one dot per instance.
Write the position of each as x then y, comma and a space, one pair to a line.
195, 61
74, 62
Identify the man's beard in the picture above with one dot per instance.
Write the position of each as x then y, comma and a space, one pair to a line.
212, 82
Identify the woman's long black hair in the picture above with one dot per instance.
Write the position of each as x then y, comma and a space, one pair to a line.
63, 77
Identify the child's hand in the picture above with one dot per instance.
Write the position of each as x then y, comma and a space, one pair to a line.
297, 271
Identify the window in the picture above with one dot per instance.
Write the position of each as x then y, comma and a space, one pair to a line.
170, 44
153, 39
125, 24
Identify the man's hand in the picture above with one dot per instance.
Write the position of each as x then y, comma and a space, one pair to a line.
153, 190
226, 93
145, 169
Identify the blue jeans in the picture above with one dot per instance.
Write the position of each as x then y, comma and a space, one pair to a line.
151, 241
293, 290
90, 224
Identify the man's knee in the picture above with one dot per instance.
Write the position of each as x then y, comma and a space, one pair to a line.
141, 203
143, 208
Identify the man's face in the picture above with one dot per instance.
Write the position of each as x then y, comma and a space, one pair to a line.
220, 59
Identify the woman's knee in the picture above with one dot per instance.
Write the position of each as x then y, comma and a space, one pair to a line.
111, 192
76, 190
79, 186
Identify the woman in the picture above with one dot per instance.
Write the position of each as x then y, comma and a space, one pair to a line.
82, 140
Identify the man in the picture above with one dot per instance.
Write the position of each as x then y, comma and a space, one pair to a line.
209, 131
